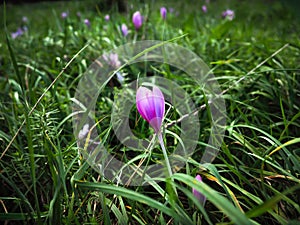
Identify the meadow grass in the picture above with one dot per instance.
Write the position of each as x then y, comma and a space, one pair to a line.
254, 179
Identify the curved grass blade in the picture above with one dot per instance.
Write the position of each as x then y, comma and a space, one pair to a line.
135, 196
270, 203
218, 200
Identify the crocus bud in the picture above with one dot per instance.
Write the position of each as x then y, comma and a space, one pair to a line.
151, 106
87, 22
198, 194
163, 12
204, 9
137, 20
124, 30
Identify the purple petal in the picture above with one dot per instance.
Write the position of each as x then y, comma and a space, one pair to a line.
137, 20
14, 35
18, 33
113, 60
163, 12
151, 106
159, 102
156, 123
87, 22
124, 30
229, 14
142, 102
198, 194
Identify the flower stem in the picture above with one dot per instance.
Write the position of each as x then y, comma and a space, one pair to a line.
161, 142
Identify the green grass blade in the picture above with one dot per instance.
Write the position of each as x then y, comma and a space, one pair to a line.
135, 196
11, 52
271, 203
214, 197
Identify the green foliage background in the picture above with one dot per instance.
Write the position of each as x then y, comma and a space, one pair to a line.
255, 57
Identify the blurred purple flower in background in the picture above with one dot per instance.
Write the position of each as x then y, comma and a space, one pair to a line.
20, 31
204, 9
24, 19
151, 106
113, 60
120, 77
171, 10
124, 30
137, 20
163, 12
85, 130
198, 194
87, 22
107, 17
64, 15
229, 14
78, 14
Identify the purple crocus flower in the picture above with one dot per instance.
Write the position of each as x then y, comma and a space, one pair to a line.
198, 194
87, 22
204, 9
163, 12
18, 33
113, 60
107, 17
64, 15
124, 30
229, 14
151, 106
137, 20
